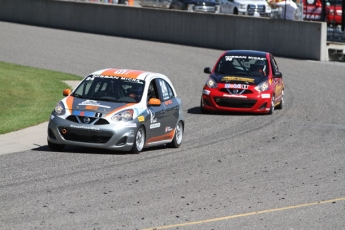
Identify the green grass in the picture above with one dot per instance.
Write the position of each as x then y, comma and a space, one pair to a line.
28, 95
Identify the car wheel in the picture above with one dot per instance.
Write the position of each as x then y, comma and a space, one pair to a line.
235, 11
139, 141
178, 136
281, 104
55, 147
272, 106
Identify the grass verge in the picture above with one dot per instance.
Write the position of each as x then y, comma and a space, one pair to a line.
28, 95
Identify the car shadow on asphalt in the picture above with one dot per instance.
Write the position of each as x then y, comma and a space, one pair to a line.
197, 110
85, 150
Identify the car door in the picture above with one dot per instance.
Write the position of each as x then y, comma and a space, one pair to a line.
156, 126
277, 82
171, 106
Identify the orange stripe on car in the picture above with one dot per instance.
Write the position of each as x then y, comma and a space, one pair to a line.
69, 102
122, 107
167, 136
122, 73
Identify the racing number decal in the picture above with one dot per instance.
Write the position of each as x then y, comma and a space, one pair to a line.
121, 71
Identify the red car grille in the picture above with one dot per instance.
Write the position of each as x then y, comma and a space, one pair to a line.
234, 102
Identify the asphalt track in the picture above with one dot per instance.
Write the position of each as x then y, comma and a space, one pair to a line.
284, 171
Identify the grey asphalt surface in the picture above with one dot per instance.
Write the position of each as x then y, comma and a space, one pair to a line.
284, 171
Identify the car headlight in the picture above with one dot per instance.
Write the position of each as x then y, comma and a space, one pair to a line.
60, 108
243, 6
263, 86
125, 115
211, 83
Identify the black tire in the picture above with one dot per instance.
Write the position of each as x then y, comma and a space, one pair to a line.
235, 11
281, 104
178, 136
270, 112
55, 147
139, 141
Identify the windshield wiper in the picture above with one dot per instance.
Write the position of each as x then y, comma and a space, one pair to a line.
77, 95
112, 99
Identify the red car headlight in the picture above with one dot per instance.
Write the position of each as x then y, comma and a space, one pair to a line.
263, 86
211, 83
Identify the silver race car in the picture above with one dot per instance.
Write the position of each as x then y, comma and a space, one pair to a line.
118, 109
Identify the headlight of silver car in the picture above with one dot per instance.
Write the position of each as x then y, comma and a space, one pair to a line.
211, 83
263, 86
125, 115
60, 108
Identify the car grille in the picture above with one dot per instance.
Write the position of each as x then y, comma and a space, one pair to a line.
85, 135
234, 102
87, 120
251, 9
205, 9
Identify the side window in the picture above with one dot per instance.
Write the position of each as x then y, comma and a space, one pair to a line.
275, 68
152, 91
167, 92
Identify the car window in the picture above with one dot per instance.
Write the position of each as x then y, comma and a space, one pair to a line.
116, 89
242, 65
152, 90
274, 65
166, 91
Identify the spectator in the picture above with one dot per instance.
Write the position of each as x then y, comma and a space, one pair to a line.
288, 9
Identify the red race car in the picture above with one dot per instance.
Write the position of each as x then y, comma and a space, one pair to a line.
243, 81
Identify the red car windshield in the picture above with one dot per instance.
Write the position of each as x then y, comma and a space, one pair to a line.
243, 65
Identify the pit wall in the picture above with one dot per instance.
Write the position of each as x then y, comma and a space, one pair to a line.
293, 39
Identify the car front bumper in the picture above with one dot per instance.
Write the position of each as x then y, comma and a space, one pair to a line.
110, 136
252, 103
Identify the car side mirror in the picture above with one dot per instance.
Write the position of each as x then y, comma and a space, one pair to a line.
207, 70
154, 102
66, 92
278, 75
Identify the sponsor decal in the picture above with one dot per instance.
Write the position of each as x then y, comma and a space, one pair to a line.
152, 115
233, 78
131, 125
83, 113
265, 95
84, 127
236, 86
206, 92
91, 107
169, 102
234, 95
93, 103
115, 77
229, 58
155, 125
141, 118
168, 129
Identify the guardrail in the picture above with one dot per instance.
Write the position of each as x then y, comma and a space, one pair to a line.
285, 38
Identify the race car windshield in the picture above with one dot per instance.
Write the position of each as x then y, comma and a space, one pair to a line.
110, 88
242, 65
